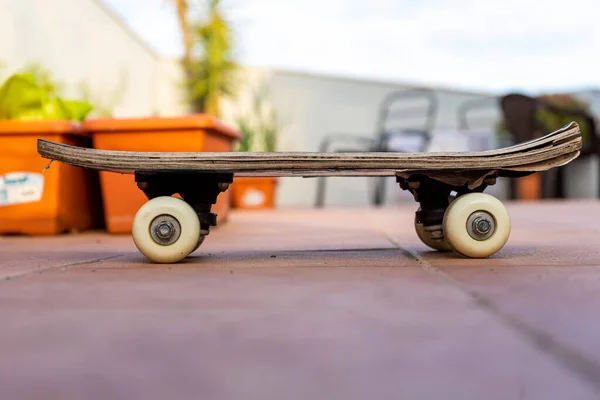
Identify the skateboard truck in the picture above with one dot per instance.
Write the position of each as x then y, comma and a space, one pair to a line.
472, 220
199, 189
167, 229
434, 196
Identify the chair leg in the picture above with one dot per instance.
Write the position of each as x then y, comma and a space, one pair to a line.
560, 179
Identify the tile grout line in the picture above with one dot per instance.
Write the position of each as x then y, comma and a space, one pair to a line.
585, 368
8, 278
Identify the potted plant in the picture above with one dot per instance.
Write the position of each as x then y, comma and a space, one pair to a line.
548, 120
207, 65
63, 197
563, 109
555, 120
259, 130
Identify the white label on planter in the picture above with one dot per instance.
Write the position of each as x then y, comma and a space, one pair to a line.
21, 187
253, 198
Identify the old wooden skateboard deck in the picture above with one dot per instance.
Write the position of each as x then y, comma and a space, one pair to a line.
454, 213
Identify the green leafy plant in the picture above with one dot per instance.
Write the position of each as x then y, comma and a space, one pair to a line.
246, 142
208, 59
31, 95
551, 120
44, 78
259, 128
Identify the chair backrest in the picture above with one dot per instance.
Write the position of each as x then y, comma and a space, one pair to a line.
407, 115
519, 116
478, 113
412, 109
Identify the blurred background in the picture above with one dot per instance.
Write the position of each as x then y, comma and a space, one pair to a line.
433, 75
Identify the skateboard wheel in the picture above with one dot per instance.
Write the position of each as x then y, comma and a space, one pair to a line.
440, 245
166, 229
476, 225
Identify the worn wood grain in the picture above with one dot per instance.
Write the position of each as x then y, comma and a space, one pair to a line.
552, 150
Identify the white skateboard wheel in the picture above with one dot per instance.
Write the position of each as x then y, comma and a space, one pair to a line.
440, 245
166, 229
476, 225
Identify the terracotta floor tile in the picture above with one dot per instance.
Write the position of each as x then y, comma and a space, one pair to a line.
298, 229
307, 304
272, 332
545, 233
559, 304
22, 255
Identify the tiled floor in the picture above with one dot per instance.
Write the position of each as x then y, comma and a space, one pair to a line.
308, 304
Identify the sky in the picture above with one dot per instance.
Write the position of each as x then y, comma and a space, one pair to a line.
484, 45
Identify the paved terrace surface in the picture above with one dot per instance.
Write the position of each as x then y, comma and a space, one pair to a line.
307, 304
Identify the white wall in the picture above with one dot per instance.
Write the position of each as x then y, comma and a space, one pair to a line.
80, 41
313, 107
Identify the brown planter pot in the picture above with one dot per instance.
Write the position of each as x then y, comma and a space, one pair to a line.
253, 193
120, 194
61, 198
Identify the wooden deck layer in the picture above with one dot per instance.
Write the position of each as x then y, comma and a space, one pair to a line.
555, 149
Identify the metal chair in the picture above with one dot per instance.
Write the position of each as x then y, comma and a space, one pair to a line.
384, 133
471, 113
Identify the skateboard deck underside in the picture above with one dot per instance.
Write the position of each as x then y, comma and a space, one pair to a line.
552, 150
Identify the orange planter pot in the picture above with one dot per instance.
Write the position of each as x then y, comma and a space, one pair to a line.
529, 187
120, 194
60, 199
252, 193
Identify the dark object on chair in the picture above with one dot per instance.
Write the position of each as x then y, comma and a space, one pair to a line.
380, 142
522, 122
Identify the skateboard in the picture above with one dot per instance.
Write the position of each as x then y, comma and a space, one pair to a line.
454, 213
